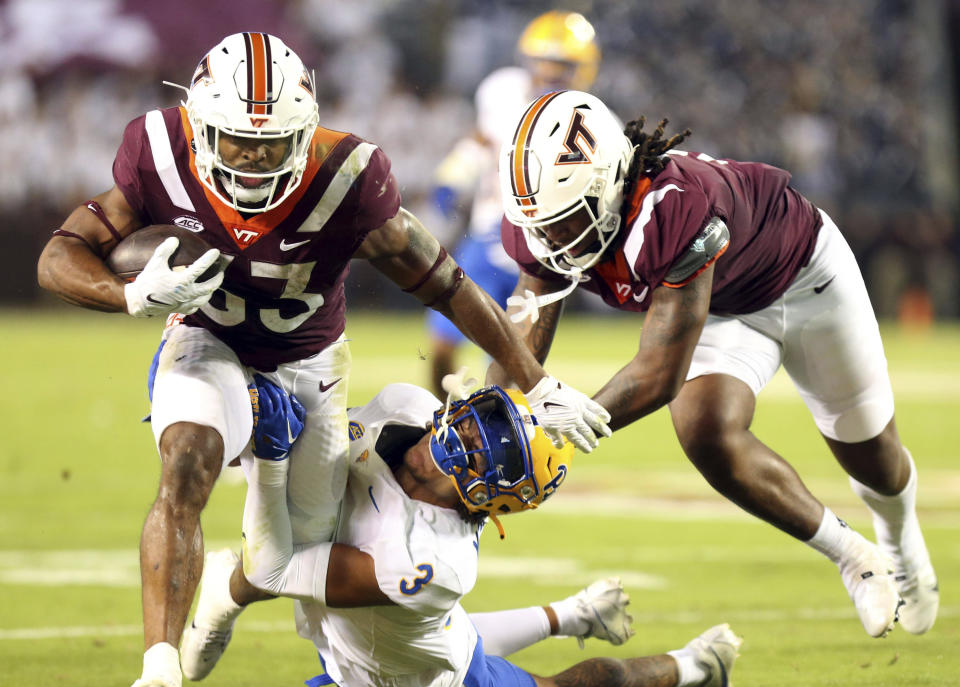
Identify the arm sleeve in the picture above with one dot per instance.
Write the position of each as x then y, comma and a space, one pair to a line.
270, 561
506, 632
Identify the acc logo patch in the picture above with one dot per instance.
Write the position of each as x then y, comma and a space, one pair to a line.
189, 223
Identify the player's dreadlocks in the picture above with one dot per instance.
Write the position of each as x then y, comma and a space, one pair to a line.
648, 151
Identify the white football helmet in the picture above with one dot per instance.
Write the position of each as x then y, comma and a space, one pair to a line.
568, 152
251, 85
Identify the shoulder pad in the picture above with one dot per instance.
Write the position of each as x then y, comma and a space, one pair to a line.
705, 248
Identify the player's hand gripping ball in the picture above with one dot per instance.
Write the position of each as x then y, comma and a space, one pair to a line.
131, 255
169, 269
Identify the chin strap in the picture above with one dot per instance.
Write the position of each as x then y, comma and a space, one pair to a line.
496, 521
530, 303
458, 386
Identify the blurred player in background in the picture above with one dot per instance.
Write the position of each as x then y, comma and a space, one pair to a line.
289, 204
738, 274
557, 50
382, 603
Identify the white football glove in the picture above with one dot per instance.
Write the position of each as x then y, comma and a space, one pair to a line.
565, 412
159, 290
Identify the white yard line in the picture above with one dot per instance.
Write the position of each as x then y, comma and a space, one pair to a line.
640, 619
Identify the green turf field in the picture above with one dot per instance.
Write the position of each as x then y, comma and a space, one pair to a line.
78, 472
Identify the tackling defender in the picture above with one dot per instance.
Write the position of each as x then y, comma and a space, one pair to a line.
382, 602
737, 274
244, 163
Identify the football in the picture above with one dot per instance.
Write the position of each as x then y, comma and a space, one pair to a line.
130, 256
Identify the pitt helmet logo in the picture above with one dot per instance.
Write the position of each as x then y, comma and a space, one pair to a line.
550, 487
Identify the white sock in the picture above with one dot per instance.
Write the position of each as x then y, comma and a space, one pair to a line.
569, 621
834, 538
506, 632
895, 522
162, 660
688, 670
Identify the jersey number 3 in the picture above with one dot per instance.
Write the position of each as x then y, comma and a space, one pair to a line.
418, 582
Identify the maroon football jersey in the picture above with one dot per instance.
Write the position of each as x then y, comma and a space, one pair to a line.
282, 297
772, 228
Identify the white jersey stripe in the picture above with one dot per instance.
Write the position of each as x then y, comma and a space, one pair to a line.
348, 173
634, 242
163, 160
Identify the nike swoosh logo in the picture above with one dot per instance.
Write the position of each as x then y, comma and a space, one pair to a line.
643, 294
327, 387
724, 680
551, 403
290, 246
819, 289
151, 299
290, 434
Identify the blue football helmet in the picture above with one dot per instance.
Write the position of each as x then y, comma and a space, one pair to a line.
495, 452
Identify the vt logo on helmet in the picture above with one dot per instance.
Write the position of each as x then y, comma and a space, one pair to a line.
568, 153
495, 453
252, 90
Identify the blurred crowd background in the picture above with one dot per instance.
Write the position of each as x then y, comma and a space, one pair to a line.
856, 98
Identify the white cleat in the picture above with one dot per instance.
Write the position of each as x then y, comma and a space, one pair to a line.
715, 651
211, 629
157, 682
921, 600
870, 584
603, 605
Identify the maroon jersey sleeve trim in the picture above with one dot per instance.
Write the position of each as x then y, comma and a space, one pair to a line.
94, 207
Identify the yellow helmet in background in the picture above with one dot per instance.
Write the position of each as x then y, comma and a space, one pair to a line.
565, 38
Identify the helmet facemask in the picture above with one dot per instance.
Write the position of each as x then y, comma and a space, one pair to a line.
497, 457
603, 211
251, 86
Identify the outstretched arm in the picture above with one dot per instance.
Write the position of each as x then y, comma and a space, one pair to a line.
407, 253
670, 333
412, 258
336, 575
333, 574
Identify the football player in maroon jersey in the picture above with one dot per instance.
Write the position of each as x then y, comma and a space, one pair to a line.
738, 274
288, 203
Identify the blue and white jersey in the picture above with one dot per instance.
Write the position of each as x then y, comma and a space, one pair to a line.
425, 558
